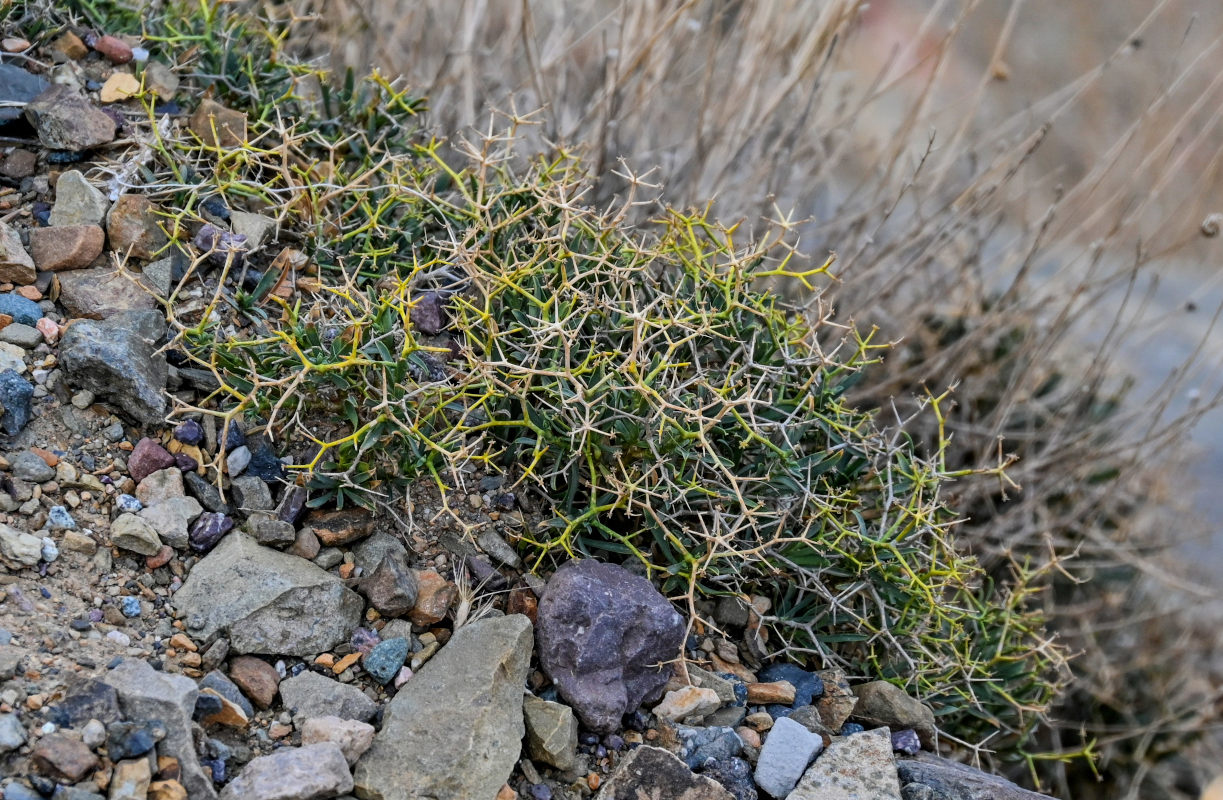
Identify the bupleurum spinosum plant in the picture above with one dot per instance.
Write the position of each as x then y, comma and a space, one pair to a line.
667, 406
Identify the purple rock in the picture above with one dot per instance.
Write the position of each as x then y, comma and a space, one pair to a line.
293, 505
603, 634
364, 640
207, 530
148, 457
906, 742
429, 314
189, 432
185, 462
219, 244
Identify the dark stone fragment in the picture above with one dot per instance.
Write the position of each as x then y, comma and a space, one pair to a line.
18, 87
220, 246
56, 157
205, 706
80, 625
698, 745
216, 206
264, 463
15, 395
429, 314
89, 699
603, 633
21, 309
185, 462
208, 529
906, 742
654, 773
391, 587
734, 774
131, 739
484, 573
385, 659
65, 120
807, 686
292, 506
850, 728
189, 432
954, 781
118, 360
203, 490
220, 683
234, 436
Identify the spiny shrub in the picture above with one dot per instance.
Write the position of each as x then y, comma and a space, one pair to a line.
468, 309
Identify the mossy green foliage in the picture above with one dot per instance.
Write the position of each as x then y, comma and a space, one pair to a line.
668, 407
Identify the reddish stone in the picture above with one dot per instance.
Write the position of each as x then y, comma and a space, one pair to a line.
334, 528
522, 600
217, 125
161, 559
148, 457
257, 679
19, 164
64, 247
114, 48
63, 758
134, 227
434, 596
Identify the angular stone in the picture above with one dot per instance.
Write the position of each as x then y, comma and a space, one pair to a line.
310, 772
87, 700
163, 483
429, 314
391, 587
335, 528
12, 733
220, 683
15, 396
77, 201
838, 702
19, 547
66, 247
167, 790
255, 227
306, 545
386, 659
17, 86
434, 596
21, 309
266, 601
352, 736
272, 532
368, 554
759, 694
117, 361
204, 491
16, 266
552, 732
64, 120
29, 466
950, 780
23, 336
858, 766
603, 635
130, 780
103, 292
160, 80
130, 532
61, 757
118, 87
314, 695
171, 518
208, 529
787, 751
883, 703
217, 125
651, 772
133, 227
724, 688
252, 494
144, 693
687, 702
457, 733
257, 679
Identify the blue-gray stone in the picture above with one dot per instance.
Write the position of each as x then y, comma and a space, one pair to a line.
734, 774
15, 395
60, 519
19, 791
384, 661
128, 504
130, 606
698, 745
785, 755
131, 739
906, 742
189, 432
21, 309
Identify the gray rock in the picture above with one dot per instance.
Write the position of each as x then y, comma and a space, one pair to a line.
651, 772
220, 683
24, 336
88, 699
134, 533
12, 733
204, 491
15, 396
104, 292
698, 745
252, 494
15, 263
705, 679
458, 730
255, 227
19, 546
30, 467
159, 485
603, 633
266, 601
882, 703
77, 201
858, 766
172, 518
117, 361
952, 781
368, 554
65, 120
144, 693
272, 532
314, 695
236, 460
160, 274
352, 736
17, 86
787, 751
311, 772
552, 732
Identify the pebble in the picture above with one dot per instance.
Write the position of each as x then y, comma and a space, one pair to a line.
83, 399
24, 336
130, 606
58, 519
120, 86
385, 660
12, 733
50, 551
21, 309
189, 432
906, 741
15, 396
114, 48
787, 751
29, 466
237, 460
93, 734
208, 529
128, 504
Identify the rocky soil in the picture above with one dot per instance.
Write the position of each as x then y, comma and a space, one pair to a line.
177, 622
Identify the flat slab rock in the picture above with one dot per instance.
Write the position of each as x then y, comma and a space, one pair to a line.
456, 729
266, 601
954, 781
859, 767
651, 772
310, 772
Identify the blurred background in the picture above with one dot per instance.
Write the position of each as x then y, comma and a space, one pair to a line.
1024, 196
